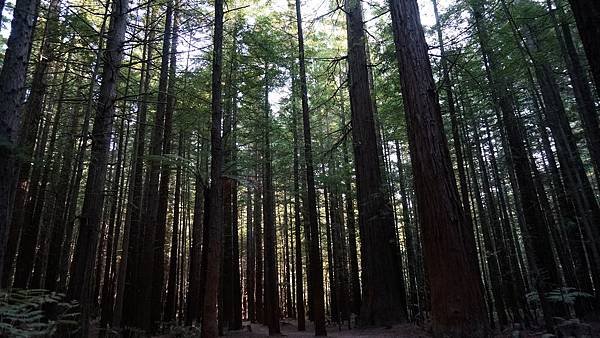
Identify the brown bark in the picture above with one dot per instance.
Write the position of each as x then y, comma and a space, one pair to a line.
114, 227
447, 237
539, 238
151, 203
354, 278
300, 311
215, 222
579, 81
12, 91
250, 258
127, 288
171, 300
271, 283
315, 264
587, 17
193, 293
383, 301
258, 245
82, 270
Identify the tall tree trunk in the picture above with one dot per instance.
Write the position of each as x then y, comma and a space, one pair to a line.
581, 87
82, 270
114, 228
215, 222
447, 237
193, 295
128, 287
300, 311
12, 91
151, 203
163, 194
236, 320
258, 244
289, 310
447, 85
351, 224
333, 308
61, 191
537, 229
570, 161
72, 197
271, 283
250, 257
28, 190
384, 300
587, 17
414, 306
315, 263
171, 301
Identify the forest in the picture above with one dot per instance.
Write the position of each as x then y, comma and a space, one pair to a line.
194, 168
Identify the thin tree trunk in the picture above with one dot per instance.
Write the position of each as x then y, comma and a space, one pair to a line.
300, 311
315, 263
171, 301
271, 283
12, 91
250, 257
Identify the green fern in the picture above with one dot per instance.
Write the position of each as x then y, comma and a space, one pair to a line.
567, 295
36, 313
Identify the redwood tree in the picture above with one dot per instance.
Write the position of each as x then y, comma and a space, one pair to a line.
461, 312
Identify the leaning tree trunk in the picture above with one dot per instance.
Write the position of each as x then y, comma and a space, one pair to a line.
539, 240
447, 238
587, 17
581, 87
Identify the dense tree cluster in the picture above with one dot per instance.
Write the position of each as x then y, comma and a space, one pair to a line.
175, 163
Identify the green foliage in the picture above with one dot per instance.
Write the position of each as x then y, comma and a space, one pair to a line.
36, 313
565, 295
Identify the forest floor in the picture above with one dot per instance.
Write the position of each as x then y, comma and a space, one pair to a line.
289, 328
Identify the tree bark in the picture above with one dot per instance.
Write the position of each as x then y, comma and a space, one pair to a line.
587, 18
271, 282
300, 311
12, 91
315, 263
447, 237
215, 222
82, 270
384, 301
250, 257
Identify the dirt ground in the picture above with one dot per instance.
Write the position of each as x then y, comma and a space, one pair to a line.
289, 328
